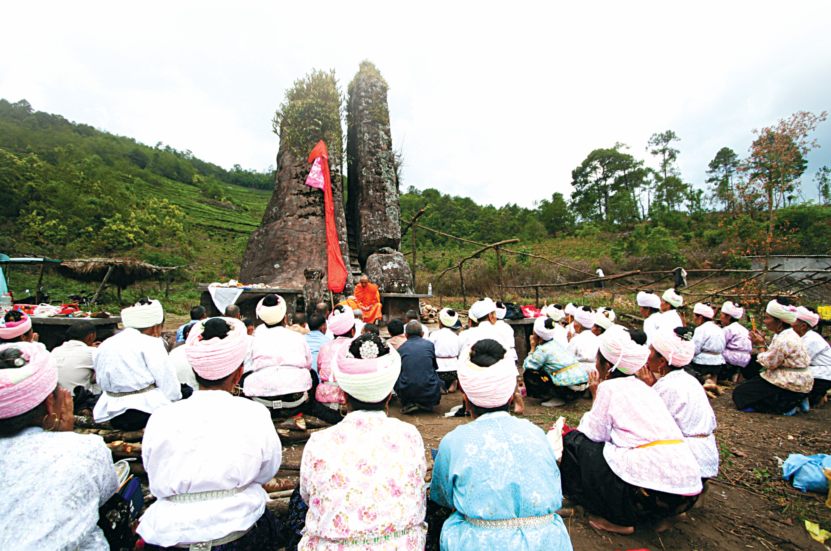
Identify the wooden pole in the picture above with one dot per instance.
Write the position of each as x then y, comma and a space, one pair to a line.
414, 257
167, 285
101, 287
40, 280
537, 297
499, 271
462, 281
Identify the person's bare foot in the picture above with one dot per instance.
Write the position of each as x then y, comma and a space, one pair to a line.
599, 523
711, 395
453, 386
519, 404
668, 523
713, 387
702, 496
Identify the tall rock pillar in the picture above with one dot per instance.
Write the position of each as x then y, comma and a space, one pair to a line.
372, 199
292, 236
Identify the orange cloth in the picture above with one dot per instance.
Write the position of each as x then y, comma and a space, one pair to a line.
349, 303
369, 301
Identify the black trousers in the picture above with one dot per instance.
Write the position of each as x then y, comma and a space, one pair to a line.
762, 396
130, 420
821, 388
588, 479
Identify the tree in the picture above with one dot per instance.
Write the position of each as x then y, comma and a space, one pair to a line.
604, 173
660, 145
721, 171
823, 180
776, 162
555, 214
671, 192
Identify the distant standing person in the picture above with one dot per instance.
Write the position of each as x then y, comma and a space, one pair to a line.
600, 273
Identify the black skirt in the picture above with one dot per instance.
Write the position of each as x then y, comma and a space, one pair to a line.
588, 479
821, 388
538, 385
761, 396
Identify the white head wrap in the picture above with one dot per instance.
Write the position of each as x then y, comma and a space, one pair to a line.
539, 329
555, 313
488, 387
501, 312
673, 298
584, 318
601, 320
625, 355
782, 312
142, 316
370, 380
272, 315
481, 308
703, 310
731, 309
811, 318
608, 312
570, 309
447, 319
649, 300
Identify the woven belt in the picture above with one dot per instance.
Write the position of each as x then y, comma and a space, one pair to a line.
206, 545
330, 383
446, 357
280, 404
565, 369
659, 443
711, 353
331, 405
513, 523
698, 436
205, 496
120, 394
370, 541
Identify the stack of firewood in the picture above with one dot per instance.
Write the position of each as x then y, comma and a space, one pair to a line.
429, 313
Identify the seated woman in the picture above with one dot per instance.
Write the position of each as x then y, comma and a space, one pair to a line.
684, 397
779, 378
499, 473
17, 327
328, 394
279, 367
555, 312
54, 481
709, 344
818, 350
363, 479
132, 369
584, 343
670, 302
737, 345
603, 321
551, 371
208, 456
627, 462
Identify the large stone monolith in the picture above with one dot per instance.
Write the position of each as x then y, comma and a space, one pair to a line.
372, 201
292, 236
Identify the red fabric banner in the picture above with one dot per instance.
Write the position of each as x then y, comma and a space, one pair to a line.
335, 266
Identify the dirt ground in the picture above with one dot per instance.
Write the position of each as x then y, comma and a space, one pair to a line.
749, 506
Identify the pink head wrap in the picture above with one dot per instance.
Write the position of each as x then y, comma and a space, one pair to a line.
340, 323
703, 310
488, 387
811, 318
217, 358
584, 318
782, 312
25, 387
12, 329
677, 351
731, 309
626, 355
570, 309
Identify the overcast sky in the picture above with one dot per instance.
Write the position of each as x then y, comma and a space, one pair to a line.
495, 101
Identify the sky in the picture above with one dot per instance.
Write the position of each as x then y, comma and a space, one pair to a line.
498, 102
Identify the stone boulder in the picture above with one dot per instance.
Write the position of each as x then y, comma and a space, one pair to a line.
390, 272
372, 201
292, 235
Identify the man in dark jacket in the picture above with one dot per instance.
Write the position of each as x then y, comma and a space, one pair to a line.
418, 385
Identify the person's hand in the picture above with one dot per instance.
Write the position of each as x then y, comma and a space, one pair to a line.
757, 338
63, 409
646, 375
35, 337
96, 344
533, 340
594, 382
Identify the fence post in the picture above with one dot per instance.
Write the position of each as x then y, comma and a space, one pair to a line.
499, 273
462, 281
537, 297
414, 257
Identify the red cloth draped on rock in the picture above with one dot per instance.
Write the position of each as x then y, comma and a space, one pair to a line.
319, 178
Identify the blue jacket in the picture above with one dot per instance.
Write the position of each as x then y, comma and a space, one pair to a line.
418, 382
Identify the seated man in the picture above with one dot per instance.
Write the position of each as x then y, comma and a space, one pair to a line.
133, 370
300, 324
316, 337
232, 311
419, 385
396, 331
197, 313
359, 321
506, 494
369, 300
74, 358
412, 315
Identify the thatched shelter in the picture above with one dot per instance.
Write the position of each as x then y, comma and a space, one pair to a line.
120, 272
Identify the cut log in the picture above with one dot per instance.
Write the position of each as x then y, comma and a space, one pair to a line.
278, 507
84, 422
279, 485
290, 466
280, 495
295, 423
137, 468
122, 450
133, 436
315, 423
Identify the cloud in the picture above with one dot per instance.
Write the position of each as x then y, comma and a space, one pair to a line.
493, 102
